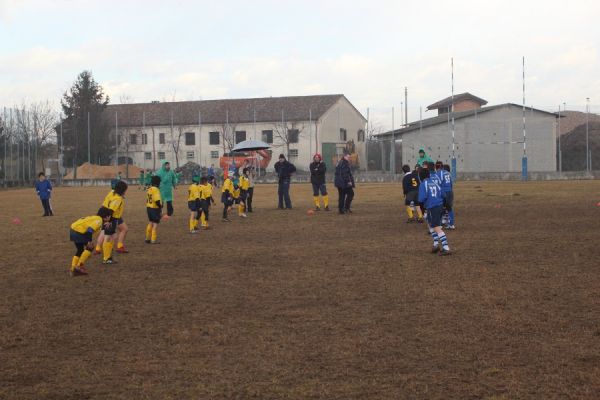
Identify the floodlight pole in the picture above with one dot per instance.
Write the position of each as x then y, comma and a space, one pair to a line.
587, 134
559, 147
453, 161
524, 160
392, 147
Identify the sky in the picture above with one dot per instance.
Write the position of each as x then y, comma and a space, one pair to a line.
368, 50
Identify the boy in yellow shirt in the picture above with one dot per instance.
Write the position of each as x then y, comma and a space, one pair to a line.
116, 202
154, 209
194, 194
227, 197
205, 200
244, 186
81, 233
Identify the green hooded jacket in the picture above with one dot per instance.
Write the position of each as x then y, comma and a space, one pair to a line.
423, 159
167, 182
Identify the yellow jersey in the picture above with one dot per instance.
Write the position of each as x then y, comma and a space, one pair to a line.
194, 192
227, 185
115, 202
206, 191
244, 183
152, 196
82, 225
236, 193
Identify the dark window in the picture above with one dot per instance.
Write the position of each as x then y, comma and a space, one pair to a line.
343, 134
148, 155
293, 135
214, 138
361, 135
214, 154
293, 152
240, 136
161, 138
133, 138
144, 138
161, 155
190, 139
267, 136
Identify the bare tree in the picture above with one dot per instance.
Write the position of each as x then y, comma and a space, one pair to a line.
175, 141
287, 132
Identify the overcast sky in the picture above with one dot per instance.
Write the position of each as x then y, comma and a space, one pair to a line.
367, 50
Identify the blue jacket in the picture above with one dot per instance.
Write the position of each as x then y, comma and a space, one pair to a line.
343, 175
43, 189
284, 169
430, 194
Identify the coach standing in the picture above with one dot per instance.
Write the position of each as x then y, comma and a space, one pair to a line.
344, 181
284, 170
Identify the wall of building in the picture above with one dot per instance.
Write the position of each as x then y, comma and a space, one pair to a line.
342, 116
466, 105
477, 147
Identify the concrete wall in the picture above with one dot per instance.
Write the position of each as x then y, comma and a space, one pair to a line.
475, 137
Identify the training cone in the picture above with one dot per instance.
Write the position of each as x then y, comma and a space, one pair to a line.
498, 206
16, 221
310, 212
598, 204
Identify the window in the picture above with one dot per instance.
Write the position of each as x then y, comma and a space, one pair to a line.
293, 152
190, 139
132, 138
161, 155
161, 138
240, 136
267, 136
214, 154
147, 156
293, 135
343, 135
189, 155
361, 135
144, 138
214, 138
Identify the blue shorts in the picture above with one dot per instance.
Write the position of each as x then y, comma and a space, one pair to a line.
434, 216
80, 237
225, 201
319, 187
112, 228
193, 205
153, 215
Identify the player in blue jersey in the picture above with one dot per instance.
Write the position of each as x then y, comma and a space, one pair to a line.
448, 189
432, 196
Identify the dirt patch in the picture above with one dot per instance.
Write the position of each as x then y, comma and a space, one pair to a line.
93, 171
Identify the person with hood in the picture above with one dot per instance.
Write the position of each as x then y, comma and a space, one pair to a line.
284, 170
168, 181
344, 181
317, 178
423, 157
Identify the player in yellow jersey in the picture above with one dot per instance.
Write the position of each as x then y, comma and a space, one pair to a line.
116, 202
205, 201
227, 197
194, 194
244, 186
81, 233
154, 209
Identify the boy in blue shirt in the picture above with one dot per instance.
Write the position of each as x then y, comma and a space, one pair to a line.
448, 189
43, 187
431, 195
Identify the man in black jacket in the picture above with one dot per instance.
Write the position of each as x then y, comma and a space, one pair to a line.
344, 181
317, 178
284, 170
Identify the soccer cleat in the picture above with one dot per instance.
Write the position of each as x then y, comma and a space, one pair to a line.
243, 215
122, 250
451, 227
109, 261
80, 271
326, 208
154, 242
147, 241
435, 249
445, 252
317, 208
225, 220
193, 232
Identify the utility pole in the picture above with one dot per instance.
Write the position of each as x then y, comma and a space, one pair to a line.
587, 134
405, 106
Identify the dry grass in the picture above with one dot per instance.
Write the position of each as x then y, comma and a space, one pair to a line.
284, 305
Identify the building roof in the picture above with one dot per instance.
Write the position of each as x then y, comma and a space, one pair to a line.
443, 118
447, 102
268, 109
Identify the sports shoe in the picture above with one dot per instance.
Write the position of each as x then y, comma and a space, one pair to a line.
122, 250
154, 242
243, 215
109, 261
80, 271
193, 231
225, 220
326, 208
435, 249
317, 208
445, 252
451, 227
147, 241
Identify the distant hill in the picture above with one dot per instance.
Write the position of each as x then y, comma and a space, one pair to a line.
573, 144
572, 119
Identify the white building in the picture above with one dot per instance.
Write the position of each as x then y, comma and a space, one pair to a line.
202, 131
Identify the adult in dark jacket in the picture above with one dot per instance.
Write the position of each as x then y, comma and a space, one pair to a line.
284, 170
317, 178
344, 181
43, 188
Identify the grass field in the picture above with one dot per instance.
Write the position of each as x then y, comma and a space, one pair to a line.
283, 305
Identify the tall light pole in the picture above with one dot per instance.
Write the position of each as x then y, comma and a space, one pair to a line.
587, 134
559, 148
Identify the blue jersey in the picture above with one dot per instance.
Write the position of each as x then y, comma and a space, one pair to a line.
446, 178
430, 193
436, 177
